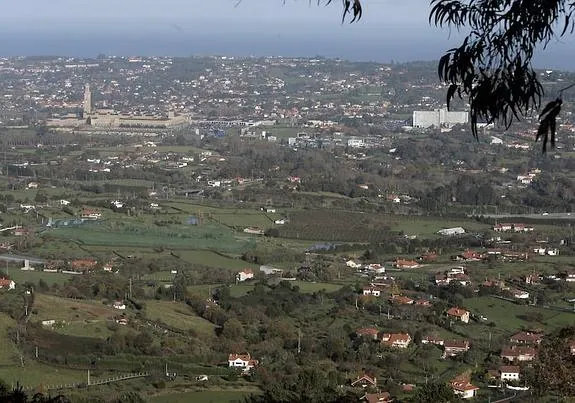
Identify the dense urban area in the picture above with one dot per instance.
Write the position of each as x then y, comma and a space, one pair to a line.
217, 229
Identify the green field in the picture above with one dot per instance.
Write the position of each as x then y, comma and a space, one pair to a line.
8, 351
178, 315
209, 258
134, 234
48, 307
202, 397
20, 276
34, 374
509, 316
98, 329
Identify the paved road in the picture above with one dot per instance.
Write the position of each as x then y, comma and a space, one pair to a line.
543, 216
19, 258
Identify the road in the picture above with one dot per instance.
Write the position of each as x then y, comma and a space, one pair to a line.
547, 216
19, 258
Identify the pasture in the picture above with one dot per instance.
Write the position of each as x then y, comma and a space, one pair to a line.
133, 234
8, 351
48, 307
21, 276
511, 317
178, 315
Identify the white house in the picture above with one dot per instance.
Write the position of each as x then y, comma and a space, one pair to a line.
376, 292
352, 264
91, 214
244, 275
243, 361
397, 340
119, 305
509, 373
64, 202
463, 387
520, 294
451, 231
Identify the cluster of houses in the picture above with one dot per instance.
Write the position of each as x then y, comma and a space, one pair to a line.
456, 275
393, 340
522, 348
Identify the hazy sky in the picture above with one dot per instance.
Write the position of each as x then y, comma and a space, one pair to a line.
196, 11
386, 24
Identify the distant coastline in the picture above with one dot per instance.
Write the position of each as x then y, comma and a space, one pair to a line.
171, 42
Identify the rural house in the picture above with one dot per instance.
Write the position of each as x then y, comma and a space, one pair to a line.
406, 264
455, 347
373, 291
119, 305
90, 214
244, 275
396, 340
518, 353
458, 314
463, 387
243, 361
7, 284
509, 373
364, 381
381, 397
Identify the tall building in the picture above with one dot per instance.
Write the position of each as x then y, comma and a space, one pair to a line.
87, 101
439, 118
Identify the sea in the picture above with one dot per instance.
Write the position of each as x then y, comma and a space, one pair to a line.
384, 45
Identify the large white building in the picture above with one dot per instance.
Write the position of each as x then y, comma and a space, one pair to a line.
439, 118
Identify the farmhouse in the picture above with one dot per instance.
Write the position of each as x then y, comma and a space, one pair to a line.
526, 338
381, 397
458, 314
397, 340
243, 361
373, 291
518, 353
83, 265
509, 373
451, 231
7, 284
455, 347
244, 275
432, 340
90, 214
364, 380
463, 387
406, 264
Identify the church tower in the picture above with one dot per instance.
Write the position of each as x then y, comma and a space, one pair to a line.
87, 101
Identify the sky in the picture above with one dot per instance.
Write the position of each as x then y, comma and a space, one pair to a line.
186, 13
390, 29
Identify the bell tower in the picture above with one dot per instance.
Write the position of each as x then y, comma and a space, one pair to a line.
87, 101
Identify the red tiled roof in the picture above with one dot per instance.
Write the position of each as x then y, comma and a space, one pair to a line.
510, 369
457, 312
367, 331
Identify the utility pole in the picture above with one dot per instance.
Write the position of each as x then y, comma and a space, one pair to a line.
130, 292
88, 377
36, 353
298, 341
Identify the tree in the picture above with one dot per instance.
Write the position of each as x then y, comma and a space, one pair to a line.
434, 393
554, 370
493, 66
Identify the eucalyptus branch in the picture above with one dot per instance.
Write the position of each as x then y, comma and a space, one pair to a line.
565, 89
